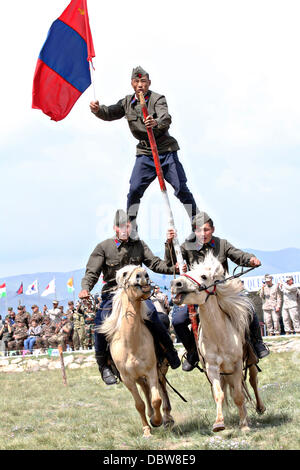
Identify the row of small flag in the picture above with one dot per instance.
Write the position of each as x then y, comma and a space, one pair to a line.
33, 288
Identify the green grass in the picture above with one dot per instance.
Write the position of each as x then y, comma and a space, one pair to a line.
39, 412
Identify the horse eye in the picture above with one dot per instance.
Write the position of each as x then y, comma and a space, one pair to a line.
204, 277
147, 275
138, 276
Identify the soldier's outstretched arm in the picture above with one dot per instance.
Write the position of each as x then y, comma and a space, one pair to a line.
108, 113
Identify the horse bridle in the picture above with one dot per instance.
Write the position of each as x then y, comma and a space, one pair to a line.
203, 287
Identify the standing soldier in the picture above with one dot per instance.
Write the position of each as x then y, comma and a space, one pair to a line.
6, 334
89, 325
78, 328
271, 299
290, 311
159, 120
55, 312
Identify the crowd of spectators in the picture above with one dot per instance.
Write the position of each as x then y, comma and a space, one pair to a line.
22, 332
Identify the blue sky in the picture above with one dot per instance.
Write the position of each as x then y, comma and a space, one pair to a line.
231, 74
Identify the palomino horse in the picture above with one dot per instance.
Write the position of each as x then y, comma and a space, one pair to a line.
132, 347
224, 322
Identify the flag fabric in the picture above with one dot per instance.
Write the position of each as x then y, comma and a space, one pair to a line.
2, 290
20, 290
62, 72
50, 289
70, 285
32, 288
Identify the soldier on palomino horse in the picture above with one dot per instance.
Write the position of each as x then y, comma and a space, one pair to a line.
194, 249
108, 257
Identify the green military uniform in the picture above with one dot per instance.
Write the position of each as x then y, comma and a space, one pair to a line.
194, 253
62, 335
19, 335
48, 330
89, 326
111, 255
78, 328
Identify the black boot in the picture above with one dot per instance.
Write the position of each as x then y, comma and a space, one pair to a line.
162, 337
106, 373
172, 357
191, 360
260, 348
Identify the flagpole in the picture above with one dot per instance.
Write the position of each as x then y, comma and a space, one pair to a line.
93, 79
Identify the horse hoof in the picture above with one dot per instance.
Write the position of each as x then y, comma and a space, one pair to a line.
245, 429
218, 427
146, 432
169, 423
154, 425
261, 411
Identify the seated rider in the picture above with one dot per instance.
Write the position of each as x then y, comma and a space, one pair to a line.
194, 249
108, 257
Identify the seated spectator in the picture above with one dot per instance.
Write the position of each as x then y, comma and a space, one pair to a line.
63, 334
55, 312
19, 336
33, 332
47, 330
11, 316
23, 316
6, 334
36, 314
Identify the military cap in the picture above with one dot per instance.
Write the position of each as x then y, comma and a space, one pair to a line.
268, 277
10, 309
70, 302
64, 317
55, 301
120, 218
200, 219
138, 72
34, 306
288, 278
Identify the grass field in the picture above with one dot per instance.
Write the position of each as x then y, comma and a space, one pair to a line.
39, 412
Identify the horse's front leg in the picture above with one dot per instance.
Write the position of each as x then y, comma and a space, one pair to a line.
156, 418
213, 373
139, 404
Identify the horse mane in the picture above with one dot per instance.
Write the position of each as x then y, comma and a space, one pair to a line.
112, 322
230, 296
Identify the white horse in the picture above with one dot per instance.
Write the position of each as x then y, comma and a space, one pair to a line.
132, 347
224, 323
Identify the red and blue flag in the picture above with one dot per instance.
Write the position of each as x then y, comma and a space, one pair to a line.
62, 72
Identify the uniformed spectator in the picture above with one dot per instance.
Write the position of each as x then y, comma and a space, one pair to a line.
271, 304
290, 307
11, 315
48, 330
20, 333
55, 312
89, 326
23, 316
161, 303
36, 314
63, 334
78, 328
6, 334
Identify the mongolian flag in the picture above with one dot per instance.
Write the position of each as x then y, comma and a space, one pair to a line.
62, 72
20, 290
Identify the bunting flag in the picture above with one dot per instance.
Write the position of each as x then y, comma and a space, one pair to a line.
32, 288
20, 290
50, 289
2, 290
70, 285
62, 72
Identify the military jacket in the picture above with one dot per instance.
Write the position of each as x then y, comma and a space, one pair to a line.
291, 295
194, 253
271, 297
130, 108
48, 329
21, 331
111, 255
23, 317
6, 334
78, 318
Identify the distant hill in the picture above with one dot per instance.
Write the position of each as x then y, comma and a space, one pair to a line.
273, 262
